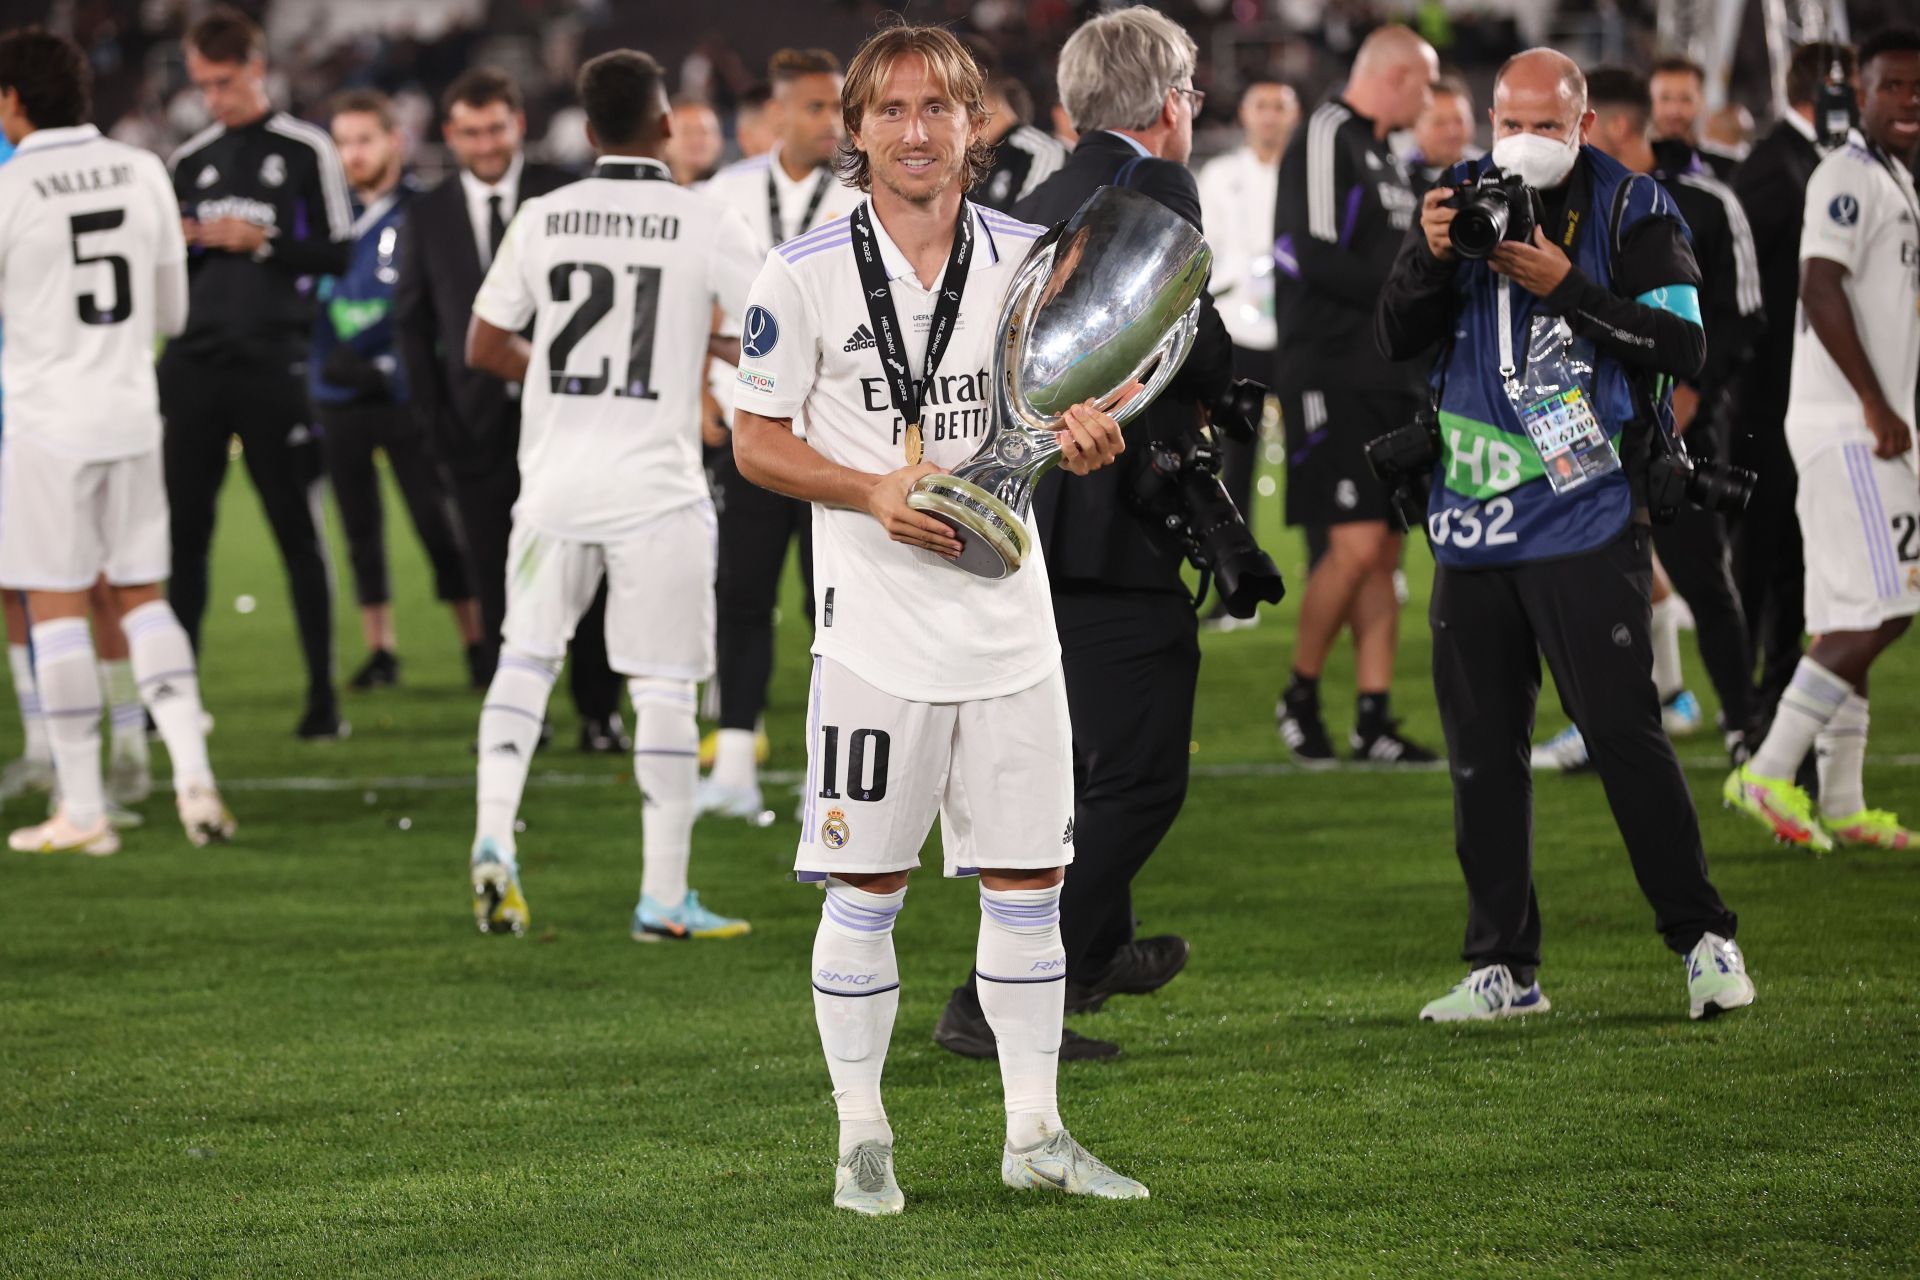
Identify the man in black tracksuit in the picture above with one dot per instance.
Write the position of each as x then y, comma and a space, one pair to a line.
265, 208
1128, 634
1767, 557
1693, 547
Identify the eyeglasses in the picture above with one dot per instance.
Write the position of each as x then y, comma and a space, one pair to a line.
1199, 96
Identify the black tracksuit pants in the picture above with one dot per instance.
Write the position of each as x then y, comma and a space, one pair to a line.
352, 433
484, 501
206, 403
1696, 555
1131, 659
1768, 560
755, 528
1589, 614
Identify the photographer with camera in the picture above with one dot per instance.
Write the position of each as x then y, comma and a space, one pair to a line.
1115, 540
1563, 288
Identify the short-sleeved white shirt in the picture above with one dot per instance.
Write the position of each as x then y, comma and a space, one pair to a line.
904, 620
1861, 212
86, 224
619, 273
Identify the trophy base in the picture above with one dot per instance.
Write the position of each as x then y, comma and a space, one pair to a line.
993, 540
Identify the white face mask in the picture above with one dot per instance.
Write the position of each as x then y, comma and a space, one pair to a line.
1540, 161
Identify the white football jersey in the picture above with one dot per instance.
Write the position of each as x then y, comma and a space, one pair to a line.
1861, 212
904, 620
619, 274
789, 211
1237, 196
87, 225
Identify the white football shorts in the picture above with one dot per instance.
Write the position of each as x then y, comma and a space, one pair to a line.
997, 771
660, 606
1860, 521
65, 521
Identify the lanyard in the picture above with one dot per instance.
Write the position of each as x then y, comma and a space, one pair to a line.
886, 322
813, 203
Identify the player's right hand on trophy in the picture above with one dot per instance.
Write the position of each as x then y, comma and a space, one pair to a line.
887, 503
1089, 438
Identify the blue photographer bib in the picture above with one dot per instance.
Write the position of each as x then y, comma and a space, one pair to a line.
1504, 493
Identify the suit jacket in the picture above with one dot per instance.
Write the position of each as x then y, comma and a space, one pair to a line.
1090, 533
475, 423
1772, 186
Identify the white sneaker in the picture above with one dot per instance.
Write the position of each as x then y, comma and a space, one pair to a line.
129, 774
863, 1182
716, 797
204, 817
1065, 1165
1717, 978
27, 775
57, 835
1485, 994
1565, 751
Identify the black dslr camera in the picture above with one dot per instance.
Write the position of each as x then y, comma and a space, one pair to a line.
1403, 459
1176, 487
1493, 206
1674, 477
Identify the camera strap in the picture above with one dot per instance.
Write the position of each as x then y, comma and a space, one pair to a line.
901, 387
806, 216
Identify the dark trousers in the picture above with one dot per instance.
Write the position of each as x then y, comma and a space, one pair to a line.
1132, 659
1768, 561
1589, 614
755, 528
352, 433
484, 502
1695, 552
205, 404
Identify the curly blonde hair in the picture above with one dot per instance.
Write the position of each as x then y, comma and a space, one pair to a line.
950, 65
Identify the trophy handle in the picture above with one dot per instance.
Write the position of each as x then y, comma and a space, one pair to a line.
1165, 361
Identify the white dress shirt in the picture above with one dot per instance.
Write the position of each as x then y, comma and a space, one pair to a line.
479, 193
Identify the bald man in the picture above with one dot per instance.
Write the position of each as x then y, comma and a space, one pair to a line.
1344, 203
1540, 526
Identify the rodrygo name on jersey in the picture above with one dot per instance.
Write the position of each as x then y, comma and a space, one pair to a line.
619, 274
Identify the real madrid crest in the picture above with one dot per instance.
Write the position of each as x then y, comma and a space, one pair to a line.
273, 170
834, 832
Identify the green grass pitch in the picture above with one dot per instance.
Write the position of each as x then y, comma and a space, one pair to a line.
293, 1056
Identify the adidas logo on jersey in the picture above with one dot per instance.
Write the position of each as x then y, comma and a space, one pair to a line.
862, 340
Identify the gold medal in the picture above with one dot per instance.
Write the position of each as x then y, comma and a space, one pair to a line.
916, 449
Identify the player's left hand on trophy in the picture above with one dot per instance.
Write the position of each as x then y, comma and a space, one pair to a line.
1089, 438
887, 503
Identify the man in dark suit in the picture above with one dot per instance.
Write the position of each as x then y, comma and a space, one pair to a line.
446, 244
1767, 557
1128, 633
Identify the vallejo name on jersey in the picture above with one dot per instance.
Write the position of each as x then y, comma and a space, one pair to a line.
622, 226
257, 212
83, 181
953, 405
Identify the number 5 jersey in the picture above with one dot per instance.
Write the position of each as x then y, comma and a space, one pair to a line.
90, 254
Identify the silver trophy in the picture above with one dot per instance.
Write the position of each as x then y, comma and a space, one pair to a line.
1109, 297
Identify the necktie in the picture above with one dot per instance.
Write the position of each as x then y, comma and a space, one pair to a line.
496, 226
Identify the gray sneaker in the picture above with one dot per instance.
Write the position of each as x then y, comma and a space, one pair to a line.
1065, 1165
26, 776
863, 1182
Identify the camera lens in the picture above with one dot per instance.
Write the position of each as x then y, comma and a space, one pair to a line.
1714, 487
1480, 225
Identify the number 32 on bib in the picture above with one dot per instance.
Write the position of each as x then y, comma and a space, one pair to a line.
1472, 526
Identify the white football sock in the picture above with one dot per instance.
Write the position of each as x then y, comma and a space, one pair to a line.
1022, 970
1812, 698
733, 762
856, 993
169, 682
70, 700
125, 712
1841, 749
1667, 677
510, 720
666, 764
27, 692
